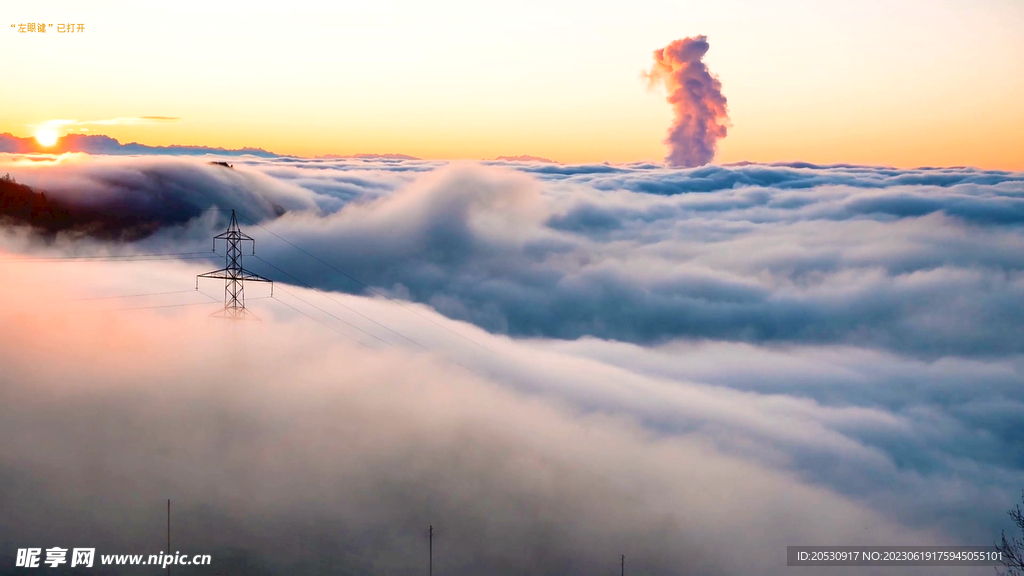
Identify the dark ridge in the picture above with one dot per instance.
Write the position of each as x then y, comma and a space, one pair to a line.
20, 204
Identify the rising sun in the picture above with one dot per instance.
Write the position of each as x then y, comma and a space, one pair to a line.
46, 136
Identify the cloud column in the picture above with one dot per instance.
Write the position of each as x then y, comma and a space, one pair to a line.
696, 97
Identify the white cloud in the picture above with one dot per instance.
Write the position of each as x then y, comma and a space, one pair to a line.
657, 363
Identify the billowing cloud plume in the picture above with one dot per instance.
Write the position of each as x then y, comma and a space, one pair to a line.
696, 96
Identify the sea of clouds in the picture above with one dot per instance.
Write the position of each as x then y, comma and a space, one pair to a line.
552, 364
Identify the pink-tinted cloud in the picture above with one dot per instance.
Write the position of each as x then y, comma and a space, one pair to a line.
696, 96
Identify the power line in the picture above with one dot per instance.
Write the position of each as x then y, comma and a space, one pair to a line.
446, 357
158, 306
86, 311
124, 296
147, 254
363, 284
152, 307
212, 299
206, 255
326, 295
335, 317
282, 302
90, 259
166, 305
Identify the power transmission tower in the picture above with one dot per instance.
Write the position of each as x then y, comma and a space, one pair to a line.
233, 274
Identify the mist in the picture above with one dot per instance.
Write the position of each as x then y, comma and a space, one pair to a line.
552, 365
287, 446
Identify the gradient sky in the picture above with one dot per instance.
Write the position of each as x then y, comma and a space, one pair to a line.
907, 83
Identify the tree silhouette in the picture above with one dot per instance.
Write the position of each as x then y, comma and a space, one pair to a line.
1013, 547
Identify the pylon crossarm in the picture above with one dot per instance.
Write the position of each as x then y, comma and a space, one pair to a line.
222, 273
241, 275
234, 236
250, 277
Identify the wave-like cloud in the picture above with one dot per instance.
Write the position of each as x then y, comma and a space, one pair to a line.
579, 361
285, 446
926, 261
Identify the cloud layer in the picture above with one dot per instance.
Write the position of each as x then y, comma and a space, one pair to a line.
576, 359
287, 447
925, 262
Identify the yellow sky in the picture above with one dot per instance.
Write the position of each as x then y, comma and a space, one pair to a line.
902, 83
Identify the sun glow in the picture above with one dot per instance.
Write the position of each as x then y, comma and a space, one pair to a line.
46, 136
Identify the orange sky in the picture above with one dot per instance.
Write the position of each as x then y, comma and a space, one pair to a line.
921, 83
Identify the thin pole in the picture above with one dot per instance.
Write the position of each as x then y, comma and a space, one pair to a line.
623, 565
431, 550
168, 533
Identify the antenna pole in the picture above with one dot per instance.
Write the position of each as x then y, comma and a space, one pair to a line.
431, 550
168, 533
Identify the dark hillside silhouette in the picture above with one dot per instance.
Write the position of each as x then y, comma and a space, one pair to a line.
20, 204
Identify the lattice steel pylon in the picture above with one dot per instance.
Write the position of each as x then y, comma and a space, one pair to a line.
233, 273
